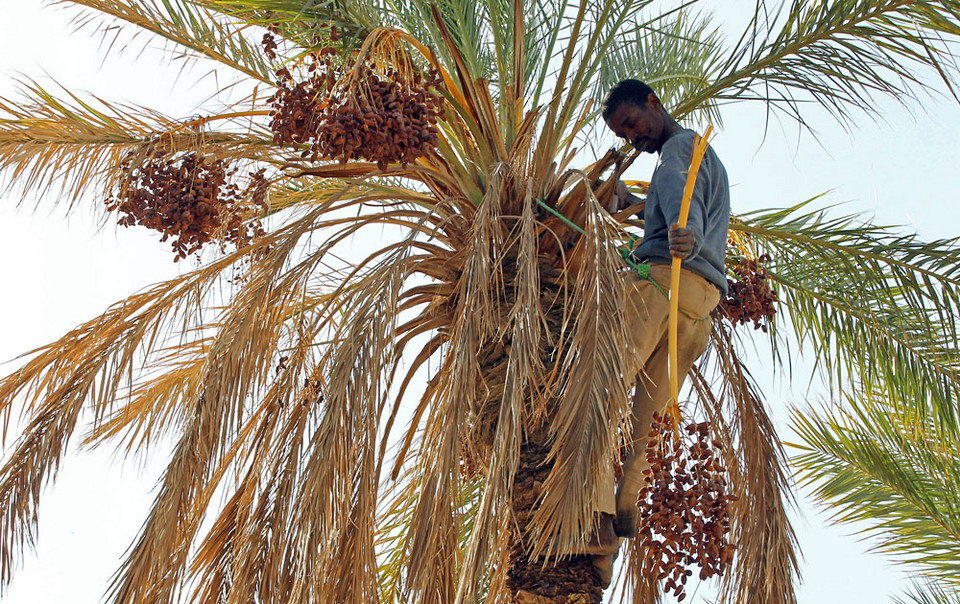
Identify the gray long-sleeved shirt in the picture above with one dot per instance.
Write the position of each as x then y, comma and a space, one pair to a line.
709, 215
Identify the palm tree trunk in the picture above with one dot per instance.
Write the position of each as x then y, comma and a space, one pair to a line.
572, 580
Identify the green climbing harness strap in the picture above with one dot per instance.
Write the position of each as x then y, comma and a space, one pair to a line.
626, 252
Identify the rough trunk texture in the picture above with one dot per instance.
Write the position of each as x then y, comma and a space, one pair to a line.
571, 580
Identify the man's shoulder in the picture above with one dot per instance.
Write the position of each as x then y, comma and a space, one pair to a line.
680, 140
678, 148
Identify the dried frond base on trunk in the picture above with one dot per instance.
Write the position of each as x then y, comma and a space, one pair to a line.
568, 581
525, 597
572, 580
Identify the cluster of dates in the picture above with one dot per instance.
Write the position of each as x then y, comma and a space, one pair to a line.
190, 198
684, 507
383, 117
751, 298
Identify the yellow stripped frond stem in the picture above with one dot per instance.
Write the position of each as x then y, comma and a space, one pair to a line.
699, 149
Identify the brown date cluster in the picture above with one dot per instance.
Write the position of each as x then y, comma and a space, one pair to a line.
189, 197
684, 507
358, 114
751, 298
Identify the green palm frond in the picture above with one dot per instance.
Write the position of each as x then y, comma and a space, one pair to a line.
879, 467
930, 592
838, 54
300, 20
875, 305
197, 31
677, 54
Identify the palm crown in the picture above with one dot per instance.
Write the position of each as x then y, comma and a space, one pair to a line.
375, 420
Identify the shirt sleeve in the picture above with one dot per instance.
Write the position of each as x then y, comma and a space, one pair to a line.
671, 181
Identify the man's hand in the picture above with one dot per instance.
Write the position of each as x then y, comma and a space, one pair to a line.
681, 241
623, 198
622, 195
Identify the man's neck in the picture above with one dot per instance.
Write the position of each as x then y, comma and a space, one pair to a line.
670, 126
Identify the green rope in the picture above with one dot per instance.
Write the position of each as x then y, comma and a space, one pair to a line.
626, 252
562, 217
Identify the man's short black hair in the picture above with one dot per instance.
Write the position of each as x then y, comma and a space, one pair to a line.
625, 91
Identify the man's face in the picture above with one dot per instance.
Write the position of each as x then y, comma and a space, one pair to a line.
639, 125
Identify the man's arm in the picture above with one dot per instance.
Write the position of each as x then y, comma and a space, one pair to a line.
671, 182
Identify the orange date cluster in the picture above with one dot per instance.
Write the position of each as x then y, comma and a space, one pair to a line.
355, 114
751, 298
684, 507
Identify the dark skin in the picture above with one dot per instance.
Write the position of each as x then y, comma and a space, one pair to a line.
647, 127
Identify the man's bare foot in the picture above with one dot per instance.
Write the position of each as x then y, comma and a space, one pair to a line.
604, 565
604, 540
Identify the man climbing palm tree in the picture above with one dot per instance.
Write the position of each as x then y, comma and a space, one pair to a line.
634, 113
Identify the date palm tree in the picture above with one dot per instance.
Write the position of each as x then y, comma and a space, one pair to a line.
433, 418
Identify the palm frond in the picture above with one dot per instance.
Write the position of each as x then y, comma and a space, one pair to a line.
87, 363
676, 54
765, 565
68, 146
96, 364
593, 406
300, 21
194, 29
929, 592
838, 54
876, 305
238, 364
590, 34
877, 466
335, 518
246, 551
523, 369
457, 384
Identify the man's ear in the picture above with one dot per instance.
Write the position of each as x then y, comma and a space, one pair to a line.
654, 101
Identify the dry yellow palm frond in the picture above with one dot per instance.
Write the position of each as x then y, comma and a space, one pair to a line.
338, 492
196, 31
592, 406
519, 376
77, 145
155, 406
765, 564
237, 363
458, 382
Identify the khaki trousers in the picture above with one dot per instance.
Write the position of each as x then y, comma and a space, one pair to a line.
646, 313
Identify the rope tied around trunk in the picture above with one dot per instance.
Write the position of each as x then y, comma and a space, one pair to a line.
642, 269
